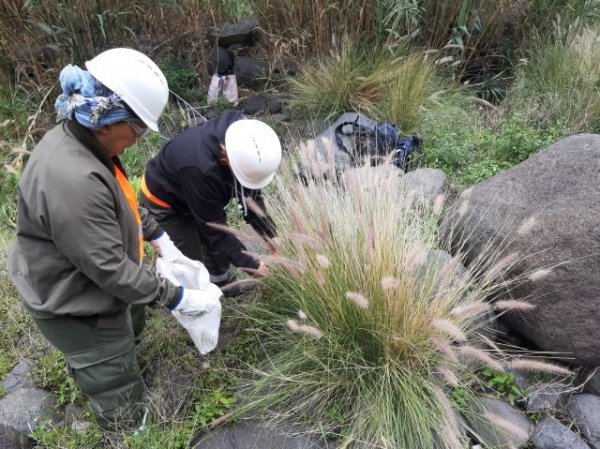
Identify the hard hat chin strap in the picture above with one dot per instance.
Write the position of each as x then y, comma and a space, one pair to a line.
239, 194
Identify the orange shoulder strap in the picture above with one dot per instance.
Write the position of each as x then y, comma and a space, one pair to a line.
129, 193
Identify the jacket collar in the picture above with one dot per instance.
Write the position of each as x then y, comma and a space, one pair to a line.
87, 139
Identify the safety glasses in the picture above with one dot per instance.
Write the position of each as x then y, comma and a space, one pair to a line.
140, 131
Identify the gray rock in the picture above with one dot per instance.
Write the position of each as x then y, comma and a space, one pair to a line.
244, 435
23, 409
250, 72
11, 439
545, 208
505, 425
547, 398
74, 417
19, 377
428, 184
552, 434
219, 61
257, 103
584, 410
244, 32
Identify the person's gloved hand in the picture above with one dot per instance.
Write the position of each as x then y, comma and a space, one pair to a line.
198, 302
167, 249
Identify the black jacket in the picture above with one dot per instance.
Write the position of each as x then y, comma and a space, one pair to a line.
188, 176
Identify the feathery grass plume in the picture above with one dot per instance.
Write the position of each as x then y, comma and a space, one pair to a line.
311, 331
240, 283
470, 309
444, 347
504, 424
390, 283
502, 265
444, 60
450, 329
294, 268
302, 239
467, 193
415, 257
302, 315
323, 261
449, 414
514, 305
228, 229
537, 365
451, 437
491, 344
438, 204
359, 300
448, 375
526, 226
481, 356
539, 274
254, 207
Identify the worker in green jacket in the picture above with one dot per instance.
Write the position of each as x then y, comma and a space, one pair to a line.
77, 259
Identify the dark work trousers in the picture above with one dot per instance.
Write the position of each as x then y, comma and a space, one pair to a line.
101, 355
183, 231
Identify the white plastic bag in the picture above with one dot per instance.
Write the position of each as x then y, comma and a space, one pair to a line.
189, 274
203, 329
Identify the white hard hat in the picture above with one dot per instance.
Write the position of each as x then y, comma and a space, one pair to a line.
254, 152
136, 79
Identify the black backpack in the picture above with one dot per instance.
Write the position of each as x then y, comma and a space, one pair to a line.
377, 143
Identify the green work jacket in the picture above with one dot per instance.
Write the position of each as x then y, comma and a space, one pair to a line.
77, 247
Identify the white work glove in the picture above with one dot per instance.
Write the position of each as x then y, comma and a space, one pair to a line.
166, 248
198, 302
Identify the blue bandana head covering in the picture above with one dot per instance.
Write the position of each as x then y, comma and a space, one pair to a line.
88, 101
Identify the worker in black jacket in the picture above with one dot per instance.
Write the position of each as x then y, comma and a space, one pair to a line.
187, 186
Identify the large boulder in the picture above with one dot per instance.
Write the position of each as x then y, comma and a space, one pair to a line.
546, 211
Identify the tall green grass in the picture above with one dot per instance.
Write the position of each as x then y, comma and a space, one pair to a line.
560, 84
364, 339
366, 80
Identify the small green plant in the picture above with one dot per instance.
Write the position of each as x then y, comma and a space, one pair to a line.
48, 434
460, 398
51, 373
211, 406
505, 385
219, 105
